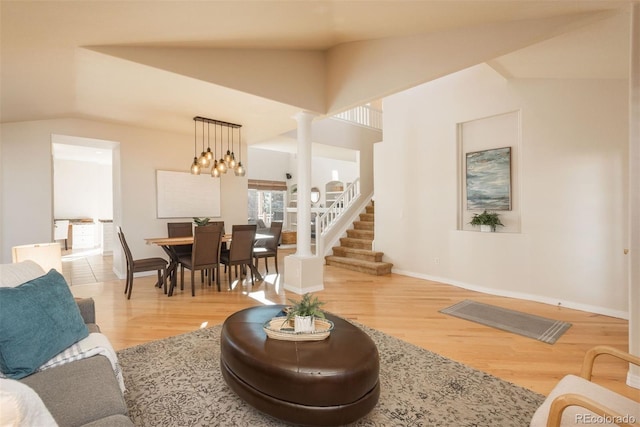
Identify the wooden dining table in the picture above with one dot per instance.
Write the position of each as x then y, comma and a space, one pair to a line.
167, 244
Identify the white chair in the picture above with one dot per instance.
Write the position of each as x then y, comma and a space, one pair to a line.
576, 401
61, 231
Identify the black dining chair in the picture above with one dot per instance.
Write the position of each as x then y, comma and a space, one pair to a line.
205, 255
141, 265
241, 249
270, 247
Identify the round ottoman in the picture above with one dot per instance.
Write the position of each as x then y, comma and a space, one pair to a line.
328, 382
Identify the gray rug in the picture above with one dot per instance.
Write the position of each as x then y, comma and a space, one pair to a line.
177, 382
528, 325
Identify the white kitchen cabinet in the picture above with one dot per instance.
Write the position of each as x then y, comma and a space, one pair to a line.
84, 235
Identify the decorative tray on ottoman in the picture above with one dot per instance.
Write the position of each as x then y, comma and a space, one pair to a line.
279, 328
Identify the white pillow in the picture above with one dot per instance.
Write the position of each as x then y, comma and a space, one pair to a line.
20, 406
12, 275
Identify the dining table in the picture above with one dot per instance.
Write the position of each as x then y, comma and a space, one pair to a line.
168, 243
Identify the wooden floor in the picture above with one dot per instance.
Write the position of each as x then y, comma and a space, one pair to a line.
401, 306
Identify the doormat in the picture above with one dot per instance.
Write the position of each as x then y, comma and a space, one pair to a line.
528, 325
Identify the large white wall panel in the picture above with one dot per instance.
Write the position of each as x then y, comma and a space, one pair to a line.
573, 185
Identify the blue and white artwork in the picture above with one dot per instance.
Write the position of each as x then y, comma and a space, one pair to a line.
489, 179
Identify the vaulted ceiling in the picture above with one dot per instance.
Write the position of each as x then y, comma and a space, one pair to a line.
159, 64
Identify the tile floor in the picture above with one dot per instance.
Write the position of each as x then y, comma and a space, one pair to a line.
80, 267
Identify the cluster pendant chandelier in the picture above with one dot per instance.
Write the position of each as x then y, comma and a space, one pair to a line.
209, 158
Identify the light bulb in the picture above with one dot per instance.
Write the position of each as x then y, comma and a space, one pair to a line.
203, 161
214, 170
222, 166
195, 168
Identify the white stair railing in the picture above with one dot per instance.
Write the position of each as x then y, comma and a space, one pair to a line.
364, 115
333, 213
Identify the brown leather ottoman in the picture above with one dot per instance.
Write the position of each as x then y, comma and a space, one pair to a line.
329, 382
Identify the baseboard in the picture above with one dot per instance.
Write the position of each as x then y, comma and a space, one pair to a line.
520, 295
306, 290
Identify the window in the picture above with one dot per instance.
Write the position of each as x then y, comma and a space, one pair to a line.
266, 201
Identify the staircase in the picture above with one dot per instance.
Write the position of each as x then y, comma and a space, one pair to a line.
354, 252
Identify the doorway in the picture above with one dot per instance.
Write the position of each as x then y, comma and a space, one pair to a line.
83, 202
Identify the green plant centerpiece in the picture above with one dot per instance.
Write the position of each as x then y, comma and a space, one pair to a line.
304, 313
488, 221
201, 221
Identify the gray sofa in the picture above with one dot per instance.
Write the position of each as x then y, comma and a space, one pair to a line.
84, 392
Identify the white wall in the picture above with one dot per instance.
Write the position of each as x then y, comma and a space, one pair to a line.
27, 187
269, 165
573, 187
82, 190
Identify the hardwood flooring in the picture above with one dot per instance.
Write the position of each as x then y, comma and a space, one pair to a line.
401, 306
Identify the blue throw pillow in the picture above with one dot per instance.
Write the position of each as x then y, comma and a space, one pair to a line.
38, 320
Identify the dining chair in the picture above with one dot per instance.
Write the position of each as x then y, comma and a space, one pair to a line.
223, 247
205, 255
180, 229
141, 265
270, 247
241, 249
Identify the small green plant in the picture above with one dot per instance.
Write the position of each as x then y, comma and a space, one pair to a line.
201, 221
307, 306
491, 219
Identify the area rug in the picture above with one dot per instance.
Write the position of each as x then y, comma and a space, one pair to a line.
177, 382
528, 325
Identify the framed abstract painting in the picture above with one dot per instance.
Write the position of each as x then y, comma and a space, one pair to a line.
488, 179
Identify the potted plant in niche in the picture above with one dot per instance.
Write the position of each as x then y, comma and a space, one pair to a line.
304, 313
488, 221
201, 221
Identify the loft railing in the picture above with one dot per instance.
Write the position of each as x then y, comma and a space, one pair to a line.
364, 115
329, 217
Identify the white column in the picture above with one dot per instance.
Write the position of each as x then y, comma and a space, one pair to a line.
633, 377
303, 245
303, 271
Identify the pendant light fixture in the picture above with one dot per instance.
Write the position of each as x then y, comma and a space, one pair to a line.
208, 158
195, 167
